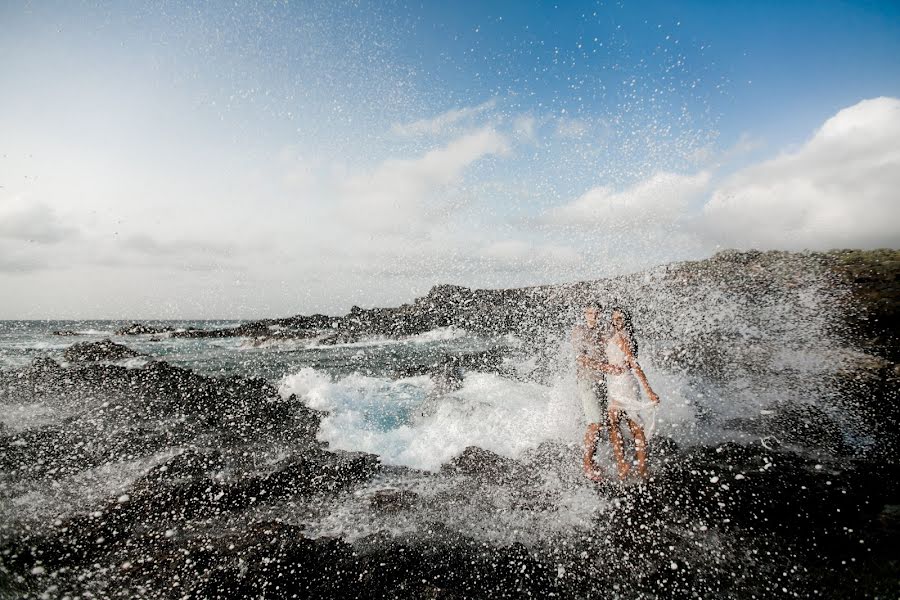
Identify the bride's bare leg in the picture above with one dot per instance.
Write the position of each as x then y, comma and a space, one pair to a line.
640, 446
615, 438
590, 447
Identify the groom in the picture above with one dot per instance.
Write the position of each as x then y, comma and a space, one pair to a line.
590, 340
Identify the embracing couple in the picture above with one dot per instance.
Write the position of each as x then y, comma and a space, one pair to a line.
608, 375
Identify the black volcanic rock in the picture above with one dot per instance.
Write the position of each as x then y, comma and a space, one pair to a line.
95, 351
392, 500
483, 463
143, 329
117, 411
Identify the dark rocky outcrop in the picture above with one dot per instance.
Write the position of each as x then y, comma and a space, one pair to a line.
736, 520
104, 350
143, 329
116, 411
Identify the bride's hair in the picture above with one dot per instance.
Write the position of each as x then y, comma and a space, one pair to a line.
628, 327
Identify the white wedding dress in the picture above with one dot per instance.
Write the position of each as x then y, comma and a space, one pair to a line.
623, 391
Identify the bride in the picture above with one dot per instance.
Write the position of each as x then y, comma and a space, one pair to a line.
623, 393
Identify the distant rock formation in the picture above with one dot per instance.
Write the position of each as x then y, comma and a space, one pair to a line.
104, 350
143, 329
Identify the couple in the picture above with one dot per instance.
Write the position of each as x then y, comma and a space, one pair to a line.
608, 374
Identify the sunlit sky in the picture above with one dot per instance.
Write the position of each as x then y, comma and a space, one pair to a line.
180, 160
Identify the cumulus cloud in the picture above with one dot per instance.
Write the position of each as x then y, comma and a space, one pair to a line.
660, 200
840, 189
400, 193
442, 122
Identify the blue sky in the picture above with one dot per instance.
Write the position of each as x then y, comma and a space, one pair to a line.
281, 157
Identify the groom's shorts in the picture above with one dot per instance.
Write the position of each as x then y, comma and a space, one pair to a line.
593, 399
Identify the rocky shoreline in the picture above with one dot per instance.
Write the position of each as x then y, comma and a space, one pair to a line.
870, 278
232, 476
182, 528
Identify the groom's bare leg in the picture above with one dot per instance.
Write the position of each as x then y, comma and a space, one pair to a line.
591, 437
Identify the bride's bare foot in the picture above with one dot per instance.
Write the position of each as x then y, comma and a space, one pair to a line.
591, 473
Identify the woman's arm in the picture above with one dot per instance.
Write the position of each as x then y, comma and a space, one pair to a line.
600, 365
633, 363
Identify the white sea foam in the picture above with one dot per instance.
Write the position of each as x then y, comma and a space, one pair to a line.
440, 334
406, 422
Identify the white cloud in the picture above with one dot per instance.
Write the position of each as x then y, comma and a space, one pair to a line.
525, 128
660, 200
300, 172
401, 193
571, 128
442, 122
32, 222
709, 155
522, 256
840, 189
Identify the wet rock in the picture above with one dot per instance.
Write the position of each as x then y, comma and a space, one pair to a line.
794, 423
105, 350
143, 329
65, 333
483, 463
392, 500
120, 412
323, 472
806, 425
339, 336
43, 367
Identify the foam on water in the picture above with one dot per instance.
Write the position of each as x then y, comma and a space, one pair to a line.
440, 334
408, 422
